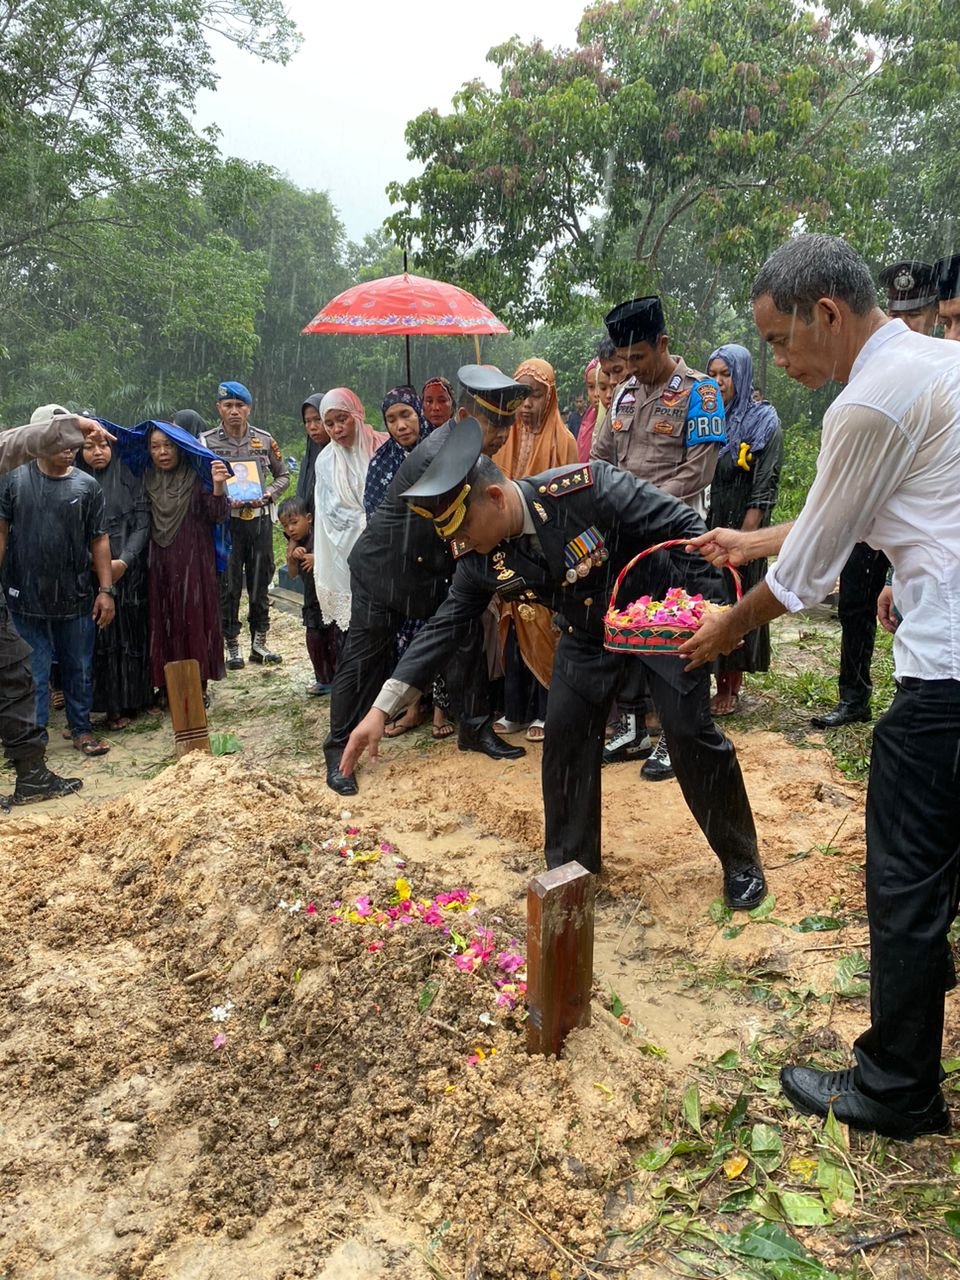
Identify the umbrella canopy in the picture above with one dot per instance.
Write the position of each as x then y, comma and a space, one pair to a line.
406, 304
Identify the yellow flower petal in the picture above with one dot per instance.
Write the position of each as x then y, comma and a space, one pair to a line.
734, 1165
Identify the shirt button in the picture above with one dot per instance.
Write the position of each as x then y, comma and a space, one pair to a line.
570, 631
419, 559
589, 600
542, 489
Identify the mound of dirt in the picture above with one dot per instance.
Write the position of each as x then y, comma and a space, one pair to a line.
234, 1024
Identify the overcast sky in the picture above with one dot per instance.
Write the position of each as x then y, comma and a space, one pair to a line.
333, 118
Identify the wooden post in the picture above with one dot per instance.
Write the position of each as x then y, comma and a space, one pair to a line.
559, 955
185, 699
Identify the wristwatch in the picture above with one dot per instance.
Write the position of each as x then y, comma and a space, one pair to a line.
106, 591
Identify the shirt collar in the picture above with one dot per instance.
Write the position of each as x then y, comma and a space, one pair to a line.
528, 525
874, 343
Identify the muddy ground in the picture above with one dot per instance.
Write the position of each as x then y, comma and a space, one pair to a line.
240, 1036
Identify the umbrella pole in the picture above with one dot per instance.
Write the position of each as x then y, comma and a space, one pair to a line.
406, 339
476, 347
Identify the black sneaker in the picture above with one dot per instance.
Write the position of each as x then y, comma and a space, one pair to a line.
40, 784
658, 768
815, 1092
628, 742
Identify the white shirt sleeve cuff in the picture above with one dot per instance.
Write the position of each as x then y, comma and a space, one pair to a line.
792, 603
394, 696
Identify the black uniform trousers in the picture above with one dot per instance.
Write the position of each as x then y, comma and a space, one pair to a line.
251, 559
913, 885
23, 739
368, 658
585, 678
861, 581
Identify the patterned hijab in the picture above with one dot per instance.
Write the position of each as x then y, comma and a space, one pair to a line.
386, 462
746, 420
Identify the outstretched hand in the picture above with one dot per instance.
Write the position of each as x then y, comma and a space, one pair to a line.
713, 637
365, 737
721, 547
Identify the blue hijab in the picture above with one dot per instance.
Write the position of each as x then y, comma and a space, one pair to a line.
386, 462
746, 419
133, 447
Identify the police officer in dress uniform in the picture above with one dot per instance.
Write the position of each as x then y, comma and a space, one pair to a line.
948, 287
912, 297
251, 522
24, 741
665, 426
560, 539
400, 569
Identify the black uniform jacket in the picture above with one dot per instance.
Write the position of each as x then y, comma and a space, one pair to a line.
595, 498
398, 559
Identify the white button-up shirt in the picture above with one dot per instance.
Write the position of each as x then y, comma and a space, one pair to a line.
889, 474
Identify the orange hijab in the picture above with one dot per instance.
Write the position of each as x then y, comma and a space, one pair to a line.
527, 453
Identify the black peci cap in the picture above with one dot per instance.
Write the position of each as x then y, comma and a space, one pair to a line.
639, 320
441, 492
910, 285
948, 277
496, 394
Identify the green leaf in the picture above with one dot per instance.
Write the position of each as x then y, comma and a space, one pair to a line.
955, 1163
848, 974
817, 924
691, 1107
719, 912
833, 1132
728, 1061
734, 931
765, 908
951, 1220
225, 744
788, 1259
766, 1147
801, 1210
427, 995
950, 1065
616, 1004
736, 1114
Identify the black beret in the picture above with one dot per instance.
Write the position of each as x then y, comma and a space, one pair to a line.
639, 320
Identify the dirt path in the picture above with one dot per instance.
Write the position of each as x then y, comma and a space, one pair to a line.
369, 1110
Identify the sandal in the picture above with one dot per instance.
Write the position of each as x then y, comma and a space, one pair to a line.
441, 731
508, 726
115, 725
396, 728
724, 704
535, 732
88, 745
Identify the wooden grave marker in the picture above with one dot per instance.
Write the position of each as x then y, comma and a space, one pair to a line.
185, 699
560, 913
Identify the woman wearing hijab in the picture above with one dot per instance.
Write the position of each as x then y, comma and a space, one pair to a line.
404, 418
742, 496
191, 421
182, 583
121, 676
589, 420
339, 515
317, 441
437, 400
538, 441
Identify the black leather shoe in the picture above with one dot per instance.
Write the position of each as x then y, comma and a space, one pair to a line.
744, 887
815, 1092
40, 784
341, 784
485, 740
843, 713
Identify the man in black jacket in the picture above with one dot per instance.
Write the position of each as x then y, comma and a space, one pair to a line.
560, 539
400, 569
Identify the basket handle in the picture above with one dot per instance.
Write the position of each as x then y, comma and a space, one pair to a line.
662, 546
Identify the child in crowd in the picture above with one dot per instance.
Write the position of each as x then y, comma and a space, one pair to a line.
324, 640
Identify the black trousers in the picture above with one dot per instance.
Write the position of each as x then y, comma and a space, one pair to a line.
251, 561
913, 886
861, 581
23, 739
368, 659
585, 677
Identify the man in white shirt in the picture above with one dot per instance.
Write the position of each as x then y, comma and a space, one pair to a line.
888, 474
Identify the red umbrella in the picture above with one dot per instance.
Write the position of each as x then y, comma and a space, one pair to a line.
406, 305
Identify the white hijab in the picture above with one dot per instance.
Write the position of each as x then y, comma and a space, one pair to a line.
339, 517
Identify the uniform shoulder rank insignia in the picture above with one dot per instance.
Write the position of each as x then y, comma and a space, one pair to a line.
458, 548
676, 382
569, 482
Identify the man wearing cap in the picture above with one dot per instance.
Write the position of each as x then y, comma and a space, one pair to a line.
24, 741
560, 539
948, 288
251, 522
665, 426
400, 569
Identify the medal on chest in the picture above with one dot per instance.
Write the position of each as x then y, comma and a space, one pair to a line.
584, 552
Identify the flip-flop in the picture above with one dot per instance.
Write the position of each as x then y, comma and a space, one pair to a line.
441, 731
88, 745
535, 732
726, 711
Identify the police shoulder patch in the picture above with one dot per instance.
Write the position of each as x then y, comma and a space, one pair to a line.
564, 482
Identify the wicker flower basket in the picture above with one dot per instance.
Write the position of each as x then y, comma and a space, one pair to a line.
650, 638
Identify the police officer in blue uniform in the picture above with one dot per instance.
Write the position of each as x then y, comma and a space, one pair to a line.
560, 539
